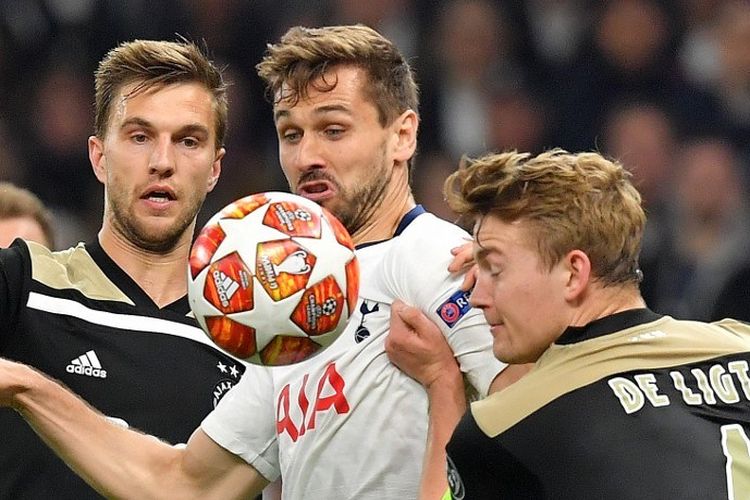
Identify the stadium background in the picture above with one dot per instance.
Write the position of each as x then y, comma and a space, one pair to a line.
663, 86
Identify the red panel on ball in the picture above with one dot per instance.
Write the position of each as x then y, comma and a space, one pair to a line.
235, 338
352, 284
243, 206
283, 267
320, 307
342, 235
293, 219
285, 350
229, 285
204, 248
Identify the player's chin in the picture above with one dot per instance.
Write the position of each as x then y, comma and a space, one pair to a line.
510, 354
160, 235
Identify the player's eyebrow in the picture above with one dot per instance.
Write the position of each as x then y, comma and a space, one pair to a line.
194, 129
328, 108
188, 129
137, 121
480, 255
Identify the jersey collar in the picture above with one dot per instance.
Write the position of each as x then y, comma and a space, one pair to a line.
407, 219
125, 283
608, 324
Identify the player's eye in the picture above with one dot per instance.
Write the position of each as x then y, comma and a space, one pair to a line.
139, 138
190, 142
291, 136
334, 132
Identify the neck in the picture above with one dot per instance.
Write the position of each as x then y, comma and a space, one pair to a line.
606, 301
396, 203
162, 276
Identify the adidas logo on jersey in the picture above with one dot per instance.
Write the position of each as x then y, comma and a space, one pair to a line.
87, 364
225, 286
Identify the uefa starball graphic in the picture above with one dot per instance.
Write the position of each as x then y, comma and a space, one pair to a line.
273, 278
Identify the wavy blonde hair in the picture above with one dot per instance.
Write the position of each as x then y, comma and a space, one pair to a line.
570, 201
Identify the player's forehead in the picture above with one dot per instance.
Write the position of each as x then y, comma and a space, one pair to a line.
340, 87
186, 101
494, 237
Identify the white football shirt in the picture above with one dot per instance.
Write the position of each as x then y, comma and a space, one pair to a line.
348, 424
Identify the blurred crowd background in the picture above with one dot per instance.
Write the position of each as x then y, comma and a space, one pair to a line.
662, 86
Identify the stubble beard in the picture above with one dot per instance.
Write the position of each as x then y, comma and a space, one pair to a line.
358, 205
155, 240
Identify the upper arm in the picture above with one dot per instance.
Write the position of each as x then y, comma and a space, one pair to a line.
219, 473
14, 262
421, 279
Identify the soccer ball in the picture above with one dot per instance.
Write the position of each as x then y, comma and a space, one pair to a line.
273, 278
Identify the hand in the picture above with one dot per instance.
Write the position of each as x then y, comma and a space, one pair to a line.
463, 261
417, 346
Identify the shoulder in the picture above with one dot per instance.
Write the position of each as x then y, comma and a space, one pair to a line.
659, 345
428, 227
73, 268
428, 238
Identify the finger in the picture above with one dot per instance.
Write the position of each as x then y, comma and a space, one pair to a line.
411, 316
470, 279
458, 264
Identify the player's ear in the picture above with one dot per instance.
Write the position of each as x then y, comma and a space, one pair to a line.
97, 158
578, 274
213, 176
406, 135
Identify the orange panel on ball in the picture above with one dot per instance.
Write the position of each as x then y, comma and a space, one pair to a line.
283, 267
352, 284
229, 285
234, 337
243, 206
320, 308
342, 235
285, 350
204, 248
293, 219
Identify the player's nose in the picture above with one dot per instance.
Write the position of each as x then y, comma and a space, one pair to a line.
309, 153
162, 161
480, 296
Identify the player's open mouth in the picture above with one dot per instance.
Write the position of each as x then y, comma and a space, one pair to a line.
316, 190
158, 195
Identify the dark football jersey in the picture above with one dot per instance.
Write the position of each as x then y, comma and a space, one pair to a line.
632, 406
78, 317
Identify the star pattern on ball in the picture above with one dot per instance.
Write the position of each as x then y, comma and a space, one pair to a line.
266, 325
335, 253
203, 308
239, 231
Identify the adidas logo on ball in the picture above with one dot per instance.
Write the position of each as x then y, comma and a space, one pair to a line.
225, 286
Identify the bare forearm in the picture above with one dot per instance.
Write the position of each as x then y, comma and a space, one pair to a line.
112, 459
447, 405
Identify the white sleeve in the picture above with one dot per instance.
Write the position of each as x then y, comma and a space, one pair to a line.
244, 422
417, 272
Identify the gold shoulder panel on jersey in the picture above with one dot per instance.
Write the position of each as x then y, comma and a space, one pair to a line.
659, 344
73, 268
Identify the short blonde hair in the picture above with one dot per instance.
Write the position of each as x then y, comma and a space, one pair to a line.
16, 202
571, 201
152, 63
